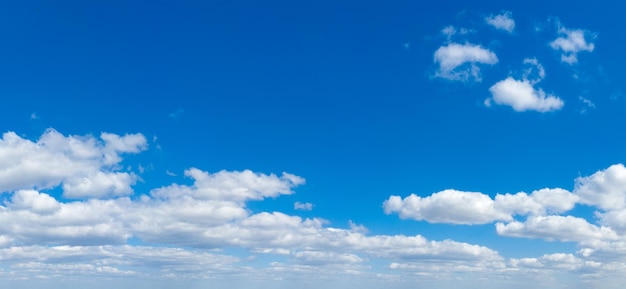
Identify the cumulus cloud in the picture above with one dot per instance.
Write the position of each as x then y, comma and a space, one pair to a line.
521, 95
572, 41
460, 61
85, 165
449, 206
604, 189
458, 207
186, 229
90, 236
562, 228
503, 21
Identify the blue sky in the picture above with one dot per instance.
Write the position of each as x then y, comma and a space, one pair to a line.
241, 144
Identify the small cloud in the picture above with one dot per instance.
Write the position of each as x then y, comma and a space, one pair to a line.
303, 206
459, 62
521, 95
34, 116
572, 41
587, 104
450, 31
503, 21
535, 72
171, 174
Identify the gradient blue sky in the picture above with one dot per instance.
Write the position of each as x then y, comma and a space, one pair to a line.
262, 144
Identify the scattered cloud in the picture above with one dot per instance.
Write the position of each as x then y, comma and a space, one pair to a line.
587, 104
503, 21
459, 62
572, 41
303, 206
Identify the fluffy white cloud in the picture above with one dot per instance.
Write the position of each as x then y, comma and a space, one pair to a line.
540, 202
605, 189
572, 41
35, 202
448, 206
562, 228
503, 21
86, 166
521, 95
458, 207
231, 186
99, 185
459, 61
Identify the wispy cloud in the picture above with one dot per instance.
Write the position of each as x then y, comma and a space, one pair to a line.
303, 206
572, 41
503, 21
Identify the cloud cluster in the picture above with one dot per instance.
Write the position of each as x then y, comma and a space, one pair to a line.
572, 41
539, 215
91, 235
85, 166
462, 62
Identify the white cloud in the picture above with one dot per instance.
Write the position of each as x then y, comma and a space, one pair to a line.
562, 228
522, 96
322, 258
540, 202
459, 61
556, 261
192, 227
35, 202
231, 186
572, 41
503, 21
448, 206
302, 206
458, 207
604, 189
80, 163
99, 185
